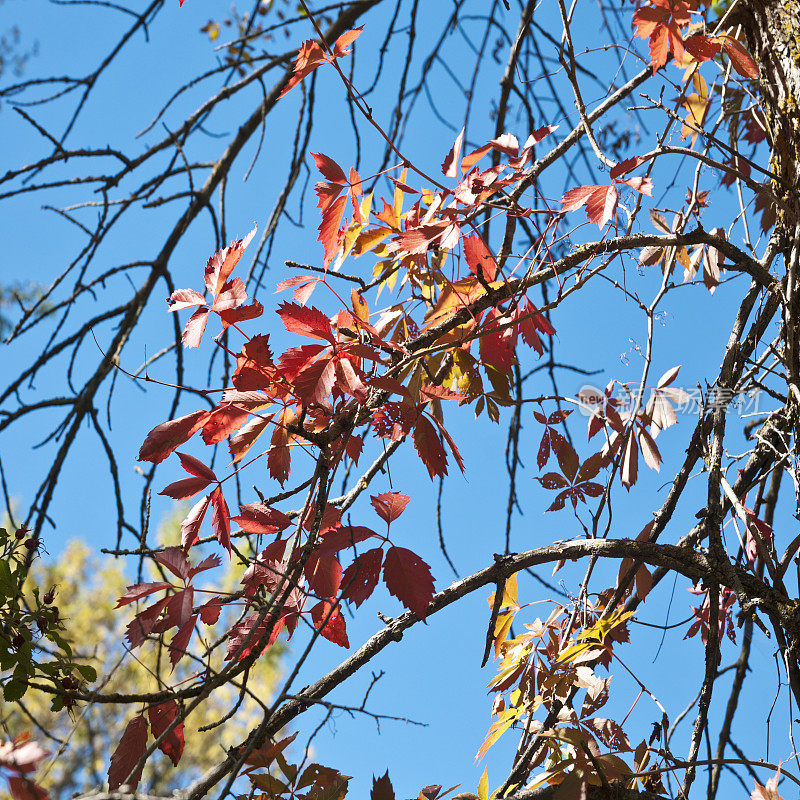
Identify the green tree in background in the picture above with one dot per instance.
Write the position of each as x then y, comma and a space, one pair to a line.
83, 738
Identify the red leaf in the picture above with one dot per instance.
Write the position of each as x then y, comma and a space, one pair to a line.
130, 749
190, 527
345, 40
178, 645
195, 327
626, 166
178, 609
221, 264
552, 480
305, 285
506, 144
668, 377
543, 324
474, 157
339, 538
575, 198
331, 517
164, 438
309, 57
701, 48
243, 440
161, 717
231, 296
295, 358
209, 562
259, 518
184, 488
477, 254
185, 298
416, 241
329, 228
175, 560
142, 625
348, 379
404, 187
409, 579
450, 163
543, 455
279, 456
353, 448
210, 611
334, 629
243, 632
221, 518
430, 448
659, 47
307, 321
224, 421
21, 788
140, 590
530, 321
256, 352
640, 184
361, 577
329, 168
630, 461
601, 205
356, 189
497, 346
315, 382
742, 60
390, 505
538, 135
646, 19
652, 456
234, 316
194, 466
568, 460
326, 192
323, 573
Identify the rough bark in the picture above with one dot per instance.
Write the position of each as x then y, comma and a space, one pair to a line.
773, 36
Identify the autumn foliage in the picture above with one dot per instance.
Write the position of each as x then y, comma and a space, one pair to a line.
422, 311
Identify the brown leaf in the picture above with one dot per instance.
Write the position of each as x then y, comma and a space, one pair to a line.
382, 788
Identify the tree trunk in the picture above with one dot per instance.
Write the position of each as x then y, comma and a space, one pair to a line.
773, 32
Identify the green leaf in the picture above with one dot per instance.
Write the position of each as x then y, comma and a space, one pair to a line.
7, 584
7, 659
57, 638
87, 671
14, 690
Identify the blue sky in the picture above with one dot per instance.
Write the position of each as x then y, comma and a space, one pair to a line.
434, 675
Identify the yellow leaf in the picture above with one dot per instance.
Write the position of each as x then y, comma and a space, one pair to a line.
510, 592
369, 239
495, 732
454, 296
483, 786
398, 198
700, 86
501, 630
